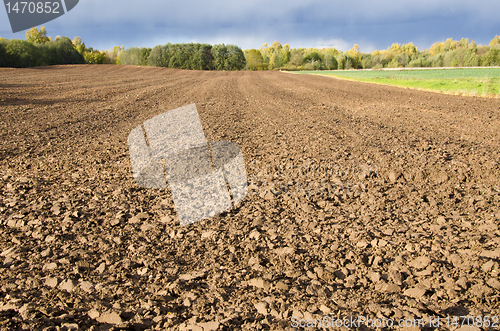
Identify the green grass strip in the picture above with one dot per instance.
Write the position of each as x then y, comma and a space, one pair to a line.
482, 82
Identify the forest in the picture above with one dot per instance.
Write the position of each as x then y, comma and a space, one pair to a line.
40, 50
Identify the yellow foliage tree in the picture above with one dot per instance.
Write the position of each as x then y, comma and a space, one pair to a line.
450, 45
409, 49
355, 53
254, 60
37, 37
436, 48
395, 49
79, 45
495, 41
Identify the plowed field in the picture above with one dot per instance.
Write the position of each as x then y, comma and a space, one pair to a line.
364, 200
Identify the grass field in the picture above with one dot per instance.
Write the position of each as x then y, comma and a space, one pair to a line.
474, 81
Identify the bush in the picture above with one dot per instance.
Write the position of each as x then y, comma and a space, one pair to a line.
95, 57
291, 67
313, 66
393, 64
417, 63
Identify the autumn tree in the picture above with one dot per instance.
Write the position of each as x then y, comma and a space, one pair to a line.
495, 41
278, 56
450, 45
442, 47
95, 57
409, 49
254, 60
37, 37
355, 56
263, 52
79, 45
112, 54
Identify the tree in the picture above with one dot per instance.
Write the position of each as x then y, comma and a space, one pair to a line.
409, 49
264, 51
112, 54
143, 59
328, 55
66, 52
311, 58
345, 61
131, 56
495, 41
436, 48
37, 37
3, 55
95, 57
355, 55
228, 57
285, 54
155, 59
450, 45
236, 59
220, 54
276, 55
296, 56
395, 49
367, 60
79, 45
21, 54
491, 58
254, 60
464, 43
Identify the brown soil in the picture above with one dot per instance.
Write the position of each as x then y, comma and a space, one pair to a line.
404, 225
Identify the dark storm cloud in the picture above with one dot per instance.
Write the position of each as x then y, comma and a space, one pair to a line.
371, 24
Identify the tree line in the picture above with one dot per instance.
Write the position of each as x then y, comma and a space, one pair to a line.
40, 50
193, 56
449, 53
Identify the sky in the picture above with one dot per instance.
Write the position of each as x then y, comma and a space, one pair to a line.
371, 24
